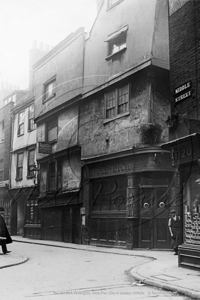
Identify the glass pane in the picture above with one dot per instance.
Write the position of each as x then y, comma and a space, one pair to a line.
102, 228
122, 230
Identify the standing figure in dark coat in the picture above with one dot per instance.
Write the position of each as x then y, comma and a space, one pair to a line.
4, 234
174, 229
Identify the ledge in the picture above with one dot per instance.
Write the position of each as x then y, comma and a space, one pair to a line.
114, 54
117, 117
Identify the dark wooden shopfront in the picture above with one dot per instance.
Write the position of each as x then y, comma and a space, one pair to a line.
154, 214
61, 219
129, 200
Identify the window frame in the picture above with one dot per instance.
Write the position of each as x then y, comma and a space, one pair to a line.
18, 178
31, 115
46, 96
21, 125
117, 114
118, 39
52, 176
30, 173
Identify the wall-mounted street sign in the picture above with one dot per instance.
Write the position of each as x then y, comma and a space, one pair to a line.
183, 91
44, 148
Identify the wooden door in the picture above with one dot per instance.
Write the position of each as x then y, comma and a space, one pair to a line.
76, 226
66, 226
153, 226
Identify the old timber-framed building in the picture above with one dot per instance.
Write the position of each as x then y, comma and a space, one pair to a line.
58, 80
128, 181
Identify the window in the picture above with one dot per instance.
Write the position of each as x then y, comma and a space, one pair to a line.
21, 123
19, 166
117, 101
52, 130
59, 175
10, 99
31, 163
2, 130
55, 175
52, 176
31, 124
117, 41
49, 89
113, 2
109, 194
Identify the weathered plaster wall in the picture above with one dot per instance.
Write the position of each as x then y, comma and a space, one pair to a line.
71, 173
147, 37
66, 63
67, 131
97, 137
149, 104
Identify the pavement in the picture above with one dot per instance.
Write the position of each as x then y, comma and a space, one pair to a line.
161, 270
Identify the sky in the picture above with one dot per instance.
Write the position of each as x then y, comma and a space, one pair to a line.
47, 21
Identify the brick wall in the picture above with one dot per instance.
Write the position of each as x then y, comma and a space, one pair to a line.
184, 34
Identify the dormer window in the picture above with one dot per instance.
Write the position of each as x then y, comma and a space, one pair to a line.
117, 42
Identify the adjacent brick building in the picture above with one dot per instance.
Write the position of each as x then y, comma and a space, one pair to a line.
184, 124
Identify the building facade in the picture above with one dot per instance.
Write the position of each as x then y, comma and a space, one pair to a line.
58, 80
25, 218
8, 100
184, 123
128, 181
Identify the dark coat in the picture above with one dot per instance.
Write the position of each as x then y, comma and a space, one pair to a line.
175, 226
4, 232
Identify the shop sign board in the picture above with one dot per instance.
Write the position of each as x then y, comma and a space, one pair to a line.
186, 152
44, 148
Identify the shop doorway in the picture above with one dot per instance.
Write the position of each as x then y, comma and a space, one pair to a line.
154, 213
72, 225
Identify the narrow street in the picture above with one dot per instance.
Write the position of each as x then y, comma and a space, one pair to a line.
59, 273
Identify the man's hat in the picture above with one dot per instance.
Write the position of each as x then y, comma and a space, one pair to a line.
1, 209
172, 212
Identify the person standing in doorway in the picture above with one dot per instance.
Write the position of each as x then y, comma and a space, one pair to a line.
4, 234
174, 229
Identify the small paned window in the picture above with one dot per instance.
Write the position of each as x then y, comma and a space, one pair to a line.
31, 112
52, 176
21, 123
2, 130
117, 101
59, 175
19, 166
123, 99
110, 104
52, 130
49, 90
31, 163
